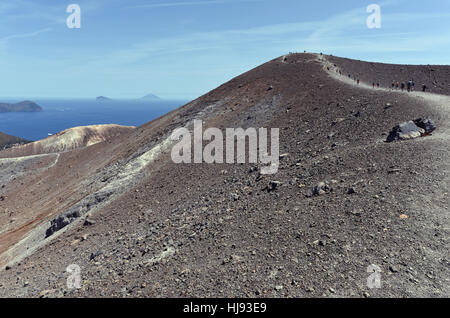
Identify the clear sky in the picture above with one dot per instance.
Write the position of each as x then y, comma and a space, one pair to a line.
183, 48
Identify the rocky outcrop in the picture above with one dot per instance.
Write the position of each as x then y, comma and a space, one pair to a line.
411, 129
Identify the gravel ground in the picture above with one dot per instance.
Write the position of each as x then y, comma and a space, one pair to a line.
224, 230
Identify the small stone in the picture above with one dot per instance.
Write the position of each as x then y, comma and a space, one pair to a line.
278, 287
273, 185
46, 292
88, 222
94, 255
393, 269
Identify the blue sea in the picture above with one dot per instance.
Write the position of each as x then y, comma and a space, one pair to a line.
59, 115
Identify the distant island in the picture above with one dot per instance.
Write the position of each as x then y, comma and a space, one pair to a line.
151, 97
103, 99
148, 97
25, 106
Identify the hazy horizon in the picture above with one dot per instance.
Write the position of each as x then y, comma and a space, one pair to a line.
10, 99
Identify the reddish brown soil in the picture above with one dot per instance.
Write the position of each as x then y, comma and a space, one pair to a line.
221, 232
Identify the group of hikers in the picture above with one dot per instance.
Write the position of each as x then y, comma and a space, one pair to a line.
409, 86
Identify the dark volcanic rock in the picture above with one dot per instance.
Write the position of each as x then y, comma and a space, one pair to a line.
411, 129
427, 124
405, 131
321, 188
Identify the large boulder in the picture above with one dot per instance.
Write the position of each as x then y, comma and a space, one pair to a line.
427, 124
411, 129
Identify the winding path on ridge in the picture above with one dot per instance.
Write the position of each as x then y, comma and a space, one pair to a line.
441, 142
440, 102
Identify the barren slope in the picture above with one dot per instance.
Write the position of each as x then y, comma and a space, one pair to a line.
7, 141
159, 229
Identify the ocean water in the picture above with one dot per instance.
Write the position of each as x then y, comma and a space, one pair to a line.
59, 115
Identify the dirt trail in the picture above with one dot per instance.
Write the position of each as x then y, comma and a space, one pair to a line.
441, 102
441, 142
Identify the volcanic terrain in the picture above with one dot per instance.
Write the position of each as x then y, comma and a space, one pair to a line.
139, 225
7, 141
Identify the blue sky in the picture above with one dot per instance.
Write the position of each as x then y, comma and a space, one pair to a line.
181, 49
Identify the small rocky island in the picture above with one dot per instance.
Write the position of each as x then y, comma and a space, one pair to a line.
25, 106
103, 99
150, 97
